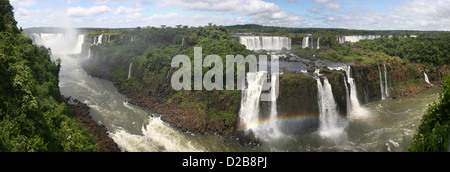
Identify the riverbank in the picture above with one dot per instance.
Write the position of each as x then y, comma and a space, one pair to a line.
99, 131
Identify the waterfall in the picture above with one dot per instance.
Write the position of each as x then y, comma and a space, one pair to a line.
129, 70
273, 113
79, 46
249, 111
381, 85
329, 116
318, 43
347, 97
68, 43
265, 42
89, 53
357, 38
305, 42
426, 78
100, 39
274, 131
341, 39
386, 88
250, 106
356, 109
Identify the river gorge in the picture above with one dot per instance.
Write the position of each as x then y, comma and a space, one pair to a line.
323, 105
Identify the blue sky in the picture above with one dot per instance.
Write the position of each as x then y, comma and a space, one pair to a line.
350, 14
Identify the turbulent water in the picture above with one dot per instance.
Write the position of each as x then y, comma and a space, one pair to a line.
388, 126
330, 125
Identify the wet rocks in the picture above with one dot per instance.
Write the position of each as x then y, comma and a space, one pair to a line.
247, 139
81, 114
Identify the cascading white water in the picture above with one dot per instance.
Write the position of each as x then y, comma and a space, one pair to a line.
132, 128
305, 42
347, 96
274, 132
341, 39
79, 46
89, 53
383, 96
386, 88
426, 78
100, 39
329, 116
318, 43
250, 106
265, 42
249, 111
67, 43
129, 70
357, 38
356, 110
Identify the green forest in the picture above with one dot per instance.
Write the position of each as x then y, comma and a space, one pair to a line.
33, 115
151, 53
427, 50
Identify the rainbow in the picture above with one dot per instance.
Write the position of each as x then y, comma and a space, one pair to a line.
264, 123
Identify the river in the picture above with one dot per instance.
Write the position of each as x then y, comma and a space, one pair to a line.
390, 125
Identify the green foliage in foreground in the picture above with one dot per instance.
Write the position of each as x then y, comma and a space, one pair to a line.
33, 116
434, 130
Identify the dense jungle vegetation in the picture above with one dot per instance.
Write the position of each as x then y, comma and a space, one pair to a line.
33, 115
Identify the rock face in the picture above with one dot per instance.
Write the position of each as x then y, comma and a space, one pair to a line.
298, 95
218, 111
367, 80
100, 132
336, 80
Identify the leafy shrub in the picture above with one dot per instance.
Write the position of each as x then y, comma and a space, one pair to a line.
434, 130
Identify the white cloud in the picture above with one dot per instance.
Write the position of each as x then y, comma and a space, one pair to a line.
113, 2
23, 3
93, 11
410, 15
235, 7
253, 11
22, 14
72, 1
125, 10
329, 4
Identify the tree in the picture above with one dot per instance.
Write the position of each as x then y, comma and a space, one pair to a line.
434, 131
